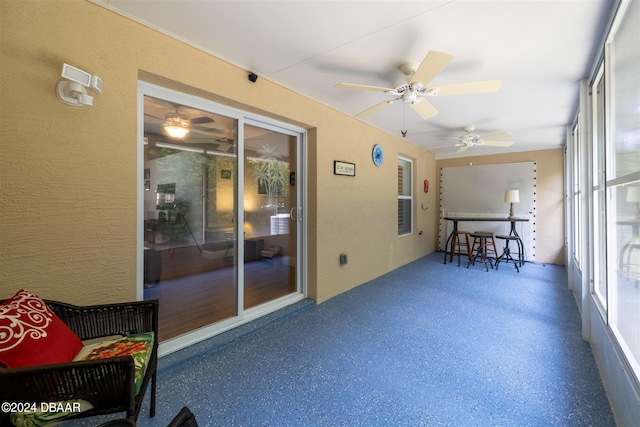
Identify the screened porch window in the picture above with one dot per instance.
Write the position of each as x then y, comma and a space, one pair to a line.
405, 196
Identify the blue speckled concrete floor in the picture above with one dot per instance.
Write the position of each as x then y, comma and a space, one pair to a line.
426, 345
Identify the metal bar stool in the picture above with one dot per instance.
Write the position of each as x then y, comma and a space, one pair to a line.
506, 254
481, 239
490, 248
458, 244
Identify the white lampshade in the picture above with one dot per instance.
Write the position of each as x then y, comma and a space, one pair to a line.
633, 194
512, 196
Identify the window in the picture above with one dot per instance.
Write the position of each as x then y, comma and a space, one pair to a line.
615, 183
597, 193
622, 182
405, 196
577, 195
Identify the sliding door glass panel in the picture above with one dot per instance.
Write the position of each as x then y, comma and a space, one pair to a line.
270, 209
190, 185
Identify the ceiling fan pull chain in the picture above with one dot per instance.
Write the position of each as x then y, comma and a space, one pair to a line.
404, 130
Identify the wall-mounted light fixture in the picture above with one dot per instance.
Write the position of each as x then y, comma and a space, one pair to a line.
72, 91
511, 196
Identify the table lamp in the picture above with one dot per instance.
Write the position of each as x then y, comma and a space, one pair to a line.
633, 195
511, 196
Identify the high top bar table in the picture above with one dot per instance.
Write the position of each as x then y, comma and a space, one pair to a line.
512, 232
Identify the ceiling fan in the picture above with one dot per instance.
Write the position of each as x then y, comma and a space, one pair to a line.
199, 130
201, 125
416, 89
471, 139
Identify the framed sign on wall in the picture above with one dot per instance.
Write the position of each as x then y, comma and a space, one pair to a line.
344, 168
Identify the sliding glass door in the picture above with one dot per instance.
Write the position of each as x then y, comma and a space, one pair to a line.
270, 214
220, 213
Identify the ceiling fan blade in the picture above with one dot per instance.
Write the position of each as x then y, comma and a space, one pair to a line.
482, 86
424, 109
224, 146
206, 130
439, 146
201, 120
431, 65
372, 109
210, 133
496, 136
462, 149
157, 119
363, 87
497, 143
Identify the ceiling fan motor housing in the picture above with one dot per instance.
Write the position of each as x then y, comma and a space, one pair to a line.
409, 68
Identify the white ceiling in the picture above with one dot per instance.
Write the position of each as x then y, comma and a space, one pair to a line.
540, 49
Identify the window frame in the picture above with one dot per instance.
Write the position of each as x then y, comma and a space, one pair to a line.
614, 180
404, 197
598, 155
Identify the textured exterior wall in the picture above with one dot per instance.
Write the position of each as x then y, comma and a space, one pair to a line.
550, 246
68, 183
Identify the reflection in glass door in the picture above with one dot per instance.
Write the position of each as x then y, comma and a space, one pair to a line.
190, 193
270, 214
203, 267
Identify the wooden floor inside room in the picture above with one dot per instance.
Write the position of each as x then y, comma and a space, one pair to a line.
194, 291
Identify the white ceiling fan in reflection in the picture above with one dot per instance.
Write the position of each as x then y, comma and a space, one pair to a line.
178, 123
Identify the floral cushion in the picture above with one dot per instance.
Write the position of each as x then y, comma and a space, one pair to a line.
138, 346
31, 334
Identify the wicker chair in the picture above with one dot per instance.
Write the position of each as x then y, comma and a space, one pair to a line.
109, 384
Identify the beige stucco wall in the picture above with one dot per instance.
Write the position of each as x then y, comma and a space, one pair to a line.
68, 184
550, 246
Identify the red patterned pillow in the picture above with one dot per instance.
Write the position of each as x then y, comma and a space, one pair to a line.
31, 334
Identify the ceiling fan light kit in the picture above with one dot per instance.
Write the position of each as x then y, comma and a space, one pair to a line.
177, 125
176, 131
